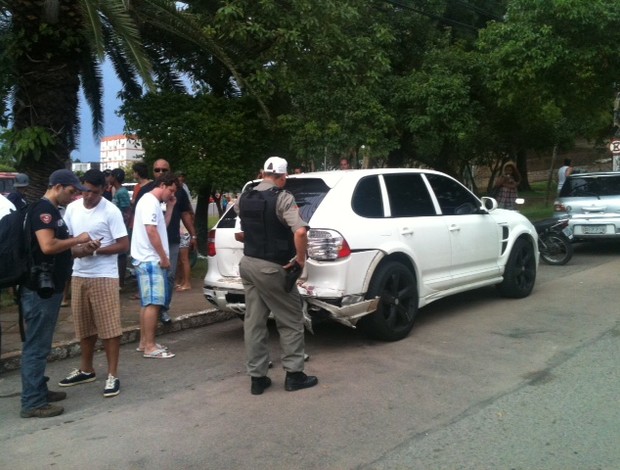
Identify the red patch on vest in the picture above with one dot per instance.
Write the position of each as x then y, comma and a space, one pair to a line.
46, 218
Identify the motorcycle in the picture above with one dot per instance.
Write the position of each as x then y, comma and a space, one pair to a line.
554, 241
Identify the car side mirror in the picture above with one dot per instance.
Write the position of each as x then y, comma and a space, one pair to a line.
489, 203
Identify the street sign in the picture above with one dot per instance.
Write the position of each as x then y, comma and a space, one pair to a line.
615, 147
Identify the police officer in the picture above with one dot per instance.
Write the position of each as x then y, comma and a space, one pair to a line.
275, 241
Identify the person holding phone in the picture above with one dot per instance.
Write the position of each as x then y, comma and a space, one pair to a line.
95, 302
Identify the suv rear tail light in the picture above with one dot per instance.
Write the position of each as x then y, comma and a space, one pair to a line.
559, 207
211, 243
327, 245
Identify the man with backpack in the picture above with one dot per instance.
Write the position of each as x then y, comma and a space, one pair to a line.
6, 206
41, 294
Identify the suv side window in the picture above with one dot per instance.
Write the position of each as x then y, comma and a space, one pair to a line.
408, 195
453, 198
367, 200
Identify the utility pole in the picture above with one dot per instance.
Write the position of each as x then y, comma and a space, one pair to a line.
614, 146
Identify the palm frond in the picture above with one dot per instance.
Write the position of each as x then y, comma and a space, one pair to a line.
92, 27
164, 16
91, 78
115, 13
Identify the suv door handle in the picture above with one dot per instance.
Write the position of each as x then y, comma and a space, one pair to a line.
454, 228
406, 231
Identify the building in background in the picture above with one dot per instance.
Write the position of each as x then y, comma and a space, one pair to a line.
119, 151
83, 167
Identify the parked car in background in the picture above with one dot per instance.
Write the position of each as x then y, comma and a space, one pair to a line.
383, 243
7, 180
130, 187
592, 203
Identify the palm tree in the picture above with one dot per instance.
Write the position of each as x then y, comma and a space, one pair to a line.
54, 48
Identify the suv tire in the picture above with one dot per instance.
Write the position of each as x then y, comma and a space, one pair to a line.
396, 287
520, 272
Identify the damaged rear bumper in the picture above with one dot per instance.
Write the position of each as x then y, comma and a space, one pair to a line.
234, 301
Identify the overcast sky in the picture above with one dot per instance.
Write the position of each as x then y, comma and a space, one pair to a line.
88, 150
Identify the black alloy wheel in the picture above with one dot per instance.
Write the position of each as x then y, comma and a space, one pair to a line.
396, 287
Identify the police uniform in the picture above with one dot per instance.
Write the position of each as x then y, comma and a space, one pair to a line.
269, 218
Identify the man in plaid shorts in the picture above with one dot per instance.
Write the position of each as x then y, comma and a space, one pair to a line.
95, 301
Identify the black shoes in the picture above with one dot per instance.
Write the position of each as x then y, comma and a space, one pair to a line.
55, 396
46, 411
298, 380
259, 384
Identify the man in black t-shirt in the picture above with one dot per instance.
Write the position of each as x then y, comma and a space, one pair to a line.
178, 208
41, 295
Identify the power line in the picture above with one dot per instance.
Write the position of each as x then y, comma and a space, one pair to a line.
408, 6
400, 3
477, 9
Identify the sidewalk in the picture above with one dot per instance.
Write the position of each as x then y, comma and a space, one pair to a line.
189, 309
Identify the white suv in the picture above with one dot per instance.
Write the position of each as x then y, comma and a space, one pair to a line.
385, 242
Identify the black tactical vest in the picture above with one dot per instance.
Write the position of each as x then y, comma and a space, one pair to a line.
265, 237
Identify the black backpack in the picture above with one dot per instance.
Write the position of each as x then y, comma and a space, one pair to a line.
15, 247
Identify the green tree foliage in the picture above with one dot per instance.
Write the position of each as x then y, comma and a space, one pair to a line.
219, 143
548, 71
440, 83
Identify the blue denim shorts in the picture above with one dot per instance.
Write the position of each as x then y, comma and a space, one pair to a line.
153, 283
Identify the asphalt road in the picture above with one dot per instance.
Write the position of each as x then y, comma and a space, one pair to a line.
481, 383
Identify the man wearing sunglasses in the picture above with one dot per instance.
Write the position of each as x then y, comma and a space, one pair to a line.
176, 209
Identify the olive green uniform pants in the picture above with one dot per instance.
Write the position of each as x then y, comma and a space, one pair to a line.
263, 282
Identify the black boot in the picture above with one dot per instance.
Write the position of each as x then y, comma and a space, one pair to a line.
259, 384
298, 380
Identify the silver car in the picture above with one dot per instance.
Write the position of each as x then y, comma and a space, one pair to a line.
592, 202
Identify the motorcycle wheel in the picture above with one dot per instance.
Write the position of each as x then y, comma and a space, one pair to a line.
555, 249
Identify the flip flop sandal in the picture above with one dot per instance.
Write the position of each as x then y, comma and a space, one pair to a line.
159, 354
157, 345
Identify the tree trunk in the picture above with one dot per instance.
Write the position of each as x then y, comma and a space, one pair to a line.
46, 94
522, 167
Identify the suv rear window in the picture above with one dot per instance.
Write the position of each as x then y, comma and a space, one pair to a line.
309, 193
587, 186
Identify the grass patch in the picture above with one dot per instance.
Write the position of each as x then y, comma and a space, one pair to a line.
537, 205
200, 268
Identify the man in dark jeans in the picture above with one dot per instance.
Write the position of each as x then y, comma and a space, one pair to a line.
41, 295
180, 208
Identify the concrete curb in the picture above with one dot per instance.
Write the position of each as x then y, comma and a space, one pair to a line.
67, 349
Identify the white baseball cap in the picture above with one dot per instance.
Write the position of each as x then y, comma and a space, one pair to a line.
276, 165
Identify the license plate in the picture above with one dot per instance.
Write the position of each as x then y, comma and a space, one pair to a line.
594, 229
